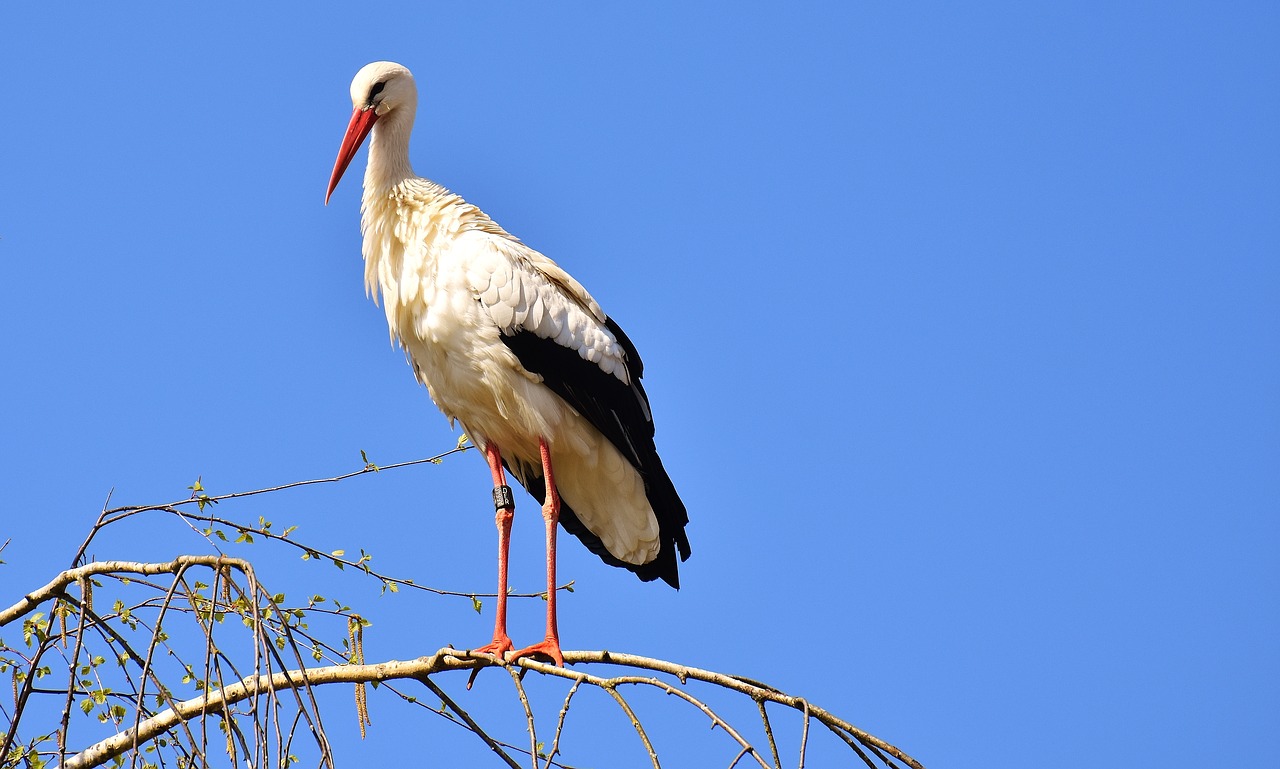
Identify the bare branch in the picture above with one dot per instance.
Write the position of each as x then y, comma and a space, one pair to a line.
564, 711
75, 661
246, 690
446, 660
56, 585
736, 683
528, 714
470, 722
635, 722
208, 499
768, 731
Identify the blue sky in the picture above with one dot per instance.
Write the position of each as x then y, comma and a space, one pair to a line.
960, 325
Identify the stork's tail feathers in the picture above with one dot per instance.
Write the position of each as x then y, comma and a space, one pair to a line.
667, 507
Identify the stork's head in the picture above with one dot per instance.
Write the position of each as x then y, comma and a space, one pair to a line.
384, 91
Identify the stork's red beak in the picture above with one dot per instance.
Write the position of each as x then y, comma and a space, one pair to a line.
362, 120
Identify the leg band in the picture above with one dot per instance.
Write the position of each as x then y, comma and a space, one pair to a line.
502, 498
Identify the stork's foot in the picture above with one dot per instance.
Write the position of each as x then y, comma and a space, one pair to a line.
498, 647
548, 647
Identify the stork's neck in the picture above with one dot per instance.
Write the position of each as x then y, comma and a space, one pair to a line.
389, 153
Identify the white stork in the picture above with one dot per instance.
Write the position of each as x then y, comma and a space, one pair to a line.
516, 350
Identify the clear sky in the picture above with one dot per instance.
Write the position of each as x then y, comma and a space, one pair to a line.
960, 323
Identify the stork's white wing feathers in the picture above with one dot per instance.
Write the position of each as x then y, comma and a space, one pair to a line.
522, 290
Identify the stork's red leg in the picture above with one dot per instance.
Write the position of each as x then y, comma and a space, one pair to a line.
549, 646
506, 511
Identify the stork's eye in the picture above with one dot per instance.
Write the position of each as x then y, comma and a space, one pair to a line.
377, 89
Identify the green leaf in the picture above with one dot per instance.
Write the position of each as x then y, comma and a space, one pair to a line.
476, 604
86, 706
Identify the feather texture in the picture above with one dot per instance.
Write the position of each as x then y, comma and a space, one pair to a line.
514, 348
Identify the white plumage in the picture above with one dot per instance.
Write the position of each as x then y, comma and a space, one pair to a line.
452, 282
486, 322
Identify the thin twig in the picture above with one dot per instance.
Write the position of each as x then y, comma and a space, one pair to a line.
20, 697
75, 663
852, 744
804, 733
310, 711
55, 586
635, 722
311, 552
768, 731
528, 714
106, 630
716, 720
261, 690
470, 722
734, 683
151, 647
215, 498
883, 758
564, 711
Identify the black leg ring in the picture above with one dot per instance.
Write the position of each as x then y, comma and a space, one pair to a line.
502, 498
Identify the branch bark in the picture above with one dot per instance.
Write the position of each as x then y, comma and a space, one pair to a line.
444, 660
58, 583
221, 699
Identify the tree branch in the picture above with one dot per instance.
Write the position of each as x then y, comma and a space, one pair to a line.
217, 701
444, 660
56, 585
226, 696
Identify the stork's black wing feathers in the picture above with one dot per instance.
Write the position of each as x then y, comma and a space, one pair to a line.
621, 413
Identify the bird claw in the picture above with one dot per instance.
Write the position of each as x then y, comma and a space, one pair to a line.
548, 647
498, 647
